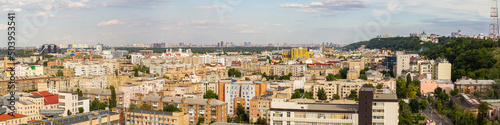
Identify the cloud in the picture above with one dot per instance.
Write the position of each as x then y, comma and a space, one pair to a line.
200, 22
3, 26
211, 7
327, 6
132, 3
249, 31
277, 24
111, 22
242, 25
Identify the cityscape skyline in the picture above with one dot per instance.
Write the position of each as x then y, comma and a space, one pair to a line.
260, 22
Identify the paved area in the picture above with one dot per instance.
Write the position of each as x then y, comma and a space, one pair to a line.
432, 114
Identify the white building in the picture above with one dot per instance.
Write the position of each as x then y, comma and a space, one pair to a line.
69, 102
232, 91
84, 103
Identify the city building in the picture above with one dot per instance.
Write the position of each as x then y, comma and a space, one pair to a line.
69, 102
149, 117
209, 109
292, 53
469, 86
373, 109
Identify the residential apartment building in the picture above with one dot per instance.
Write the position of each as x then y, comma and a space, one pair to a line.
24, 83
373, 109
469, 86
209, 109
69, 102
148, 117
281, 69
30, 106
292, 53
103, 95
53, 71
341, 87
403, 61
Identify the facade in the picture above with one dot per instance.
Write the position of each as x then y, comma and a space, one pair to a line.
469, 86
30, 106
294, 113
293, 53
24, 83
103, 95
6, 119
69, 102
148, 117
209, 109
403, 62
83, 103
281, 70
373, 109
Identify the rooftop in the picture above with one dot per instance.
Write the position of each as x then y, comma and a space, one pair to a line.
151, 112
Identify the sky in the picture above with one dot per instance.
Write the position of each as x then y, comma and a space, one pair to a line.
122, 22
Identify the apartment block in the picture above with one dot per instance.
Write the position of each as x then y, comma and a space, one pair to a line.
209, 109
148, 117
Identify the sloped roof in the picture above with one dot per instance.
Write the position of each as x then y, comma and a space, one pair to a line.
7, 116
49, 97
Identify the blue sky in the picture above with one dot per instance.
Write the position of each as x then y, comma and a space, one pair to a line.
120, 22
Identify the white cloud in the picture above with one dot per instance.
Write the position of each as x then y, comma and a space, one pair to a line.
111, 22
249, 31
307, 10
327, 5
211, 7
3, 26
242, 25
200, 22
277, 24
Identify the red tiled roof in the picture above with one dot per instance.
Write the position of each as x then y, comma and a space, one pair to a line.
49, 98
276, 59
331, 62
7, 116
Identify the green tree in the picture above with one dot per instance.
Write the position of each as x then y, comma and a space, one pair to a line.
353, 95
309, 95
482, 111
60, 73
379, 86
132, 106
103, 105
330, 77
69, 112
210, 94
297, 94
200, 120
242, 116
80, 93
321, 94
146, 107
233, 72
80, 110
343, 72
171, 108
261, 121
336, 96
368, 85
112, 101
414, 105
94, 105
423, 104
454, 92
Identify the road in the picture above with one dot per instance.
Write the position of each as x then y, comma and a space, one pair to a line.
432, 114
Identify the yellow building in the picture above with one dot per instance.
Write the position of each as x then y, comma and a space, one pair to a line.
293, 53
6, 119
148, 117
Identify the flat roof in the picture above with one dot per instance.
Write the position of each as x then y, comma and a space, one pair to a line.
151, 112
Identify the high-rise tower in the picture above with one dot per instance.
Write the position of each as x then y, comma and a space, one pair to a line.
494, 21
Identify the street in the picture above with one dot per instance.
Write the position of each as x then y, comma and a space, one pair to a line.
432, 114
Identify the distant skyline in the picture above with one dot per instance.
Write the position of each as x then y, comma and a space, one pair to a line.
122, 22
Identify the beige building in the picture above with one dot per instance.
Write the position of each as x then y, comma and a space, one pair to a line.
148, 117
209, 109
30, 106
341, 87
